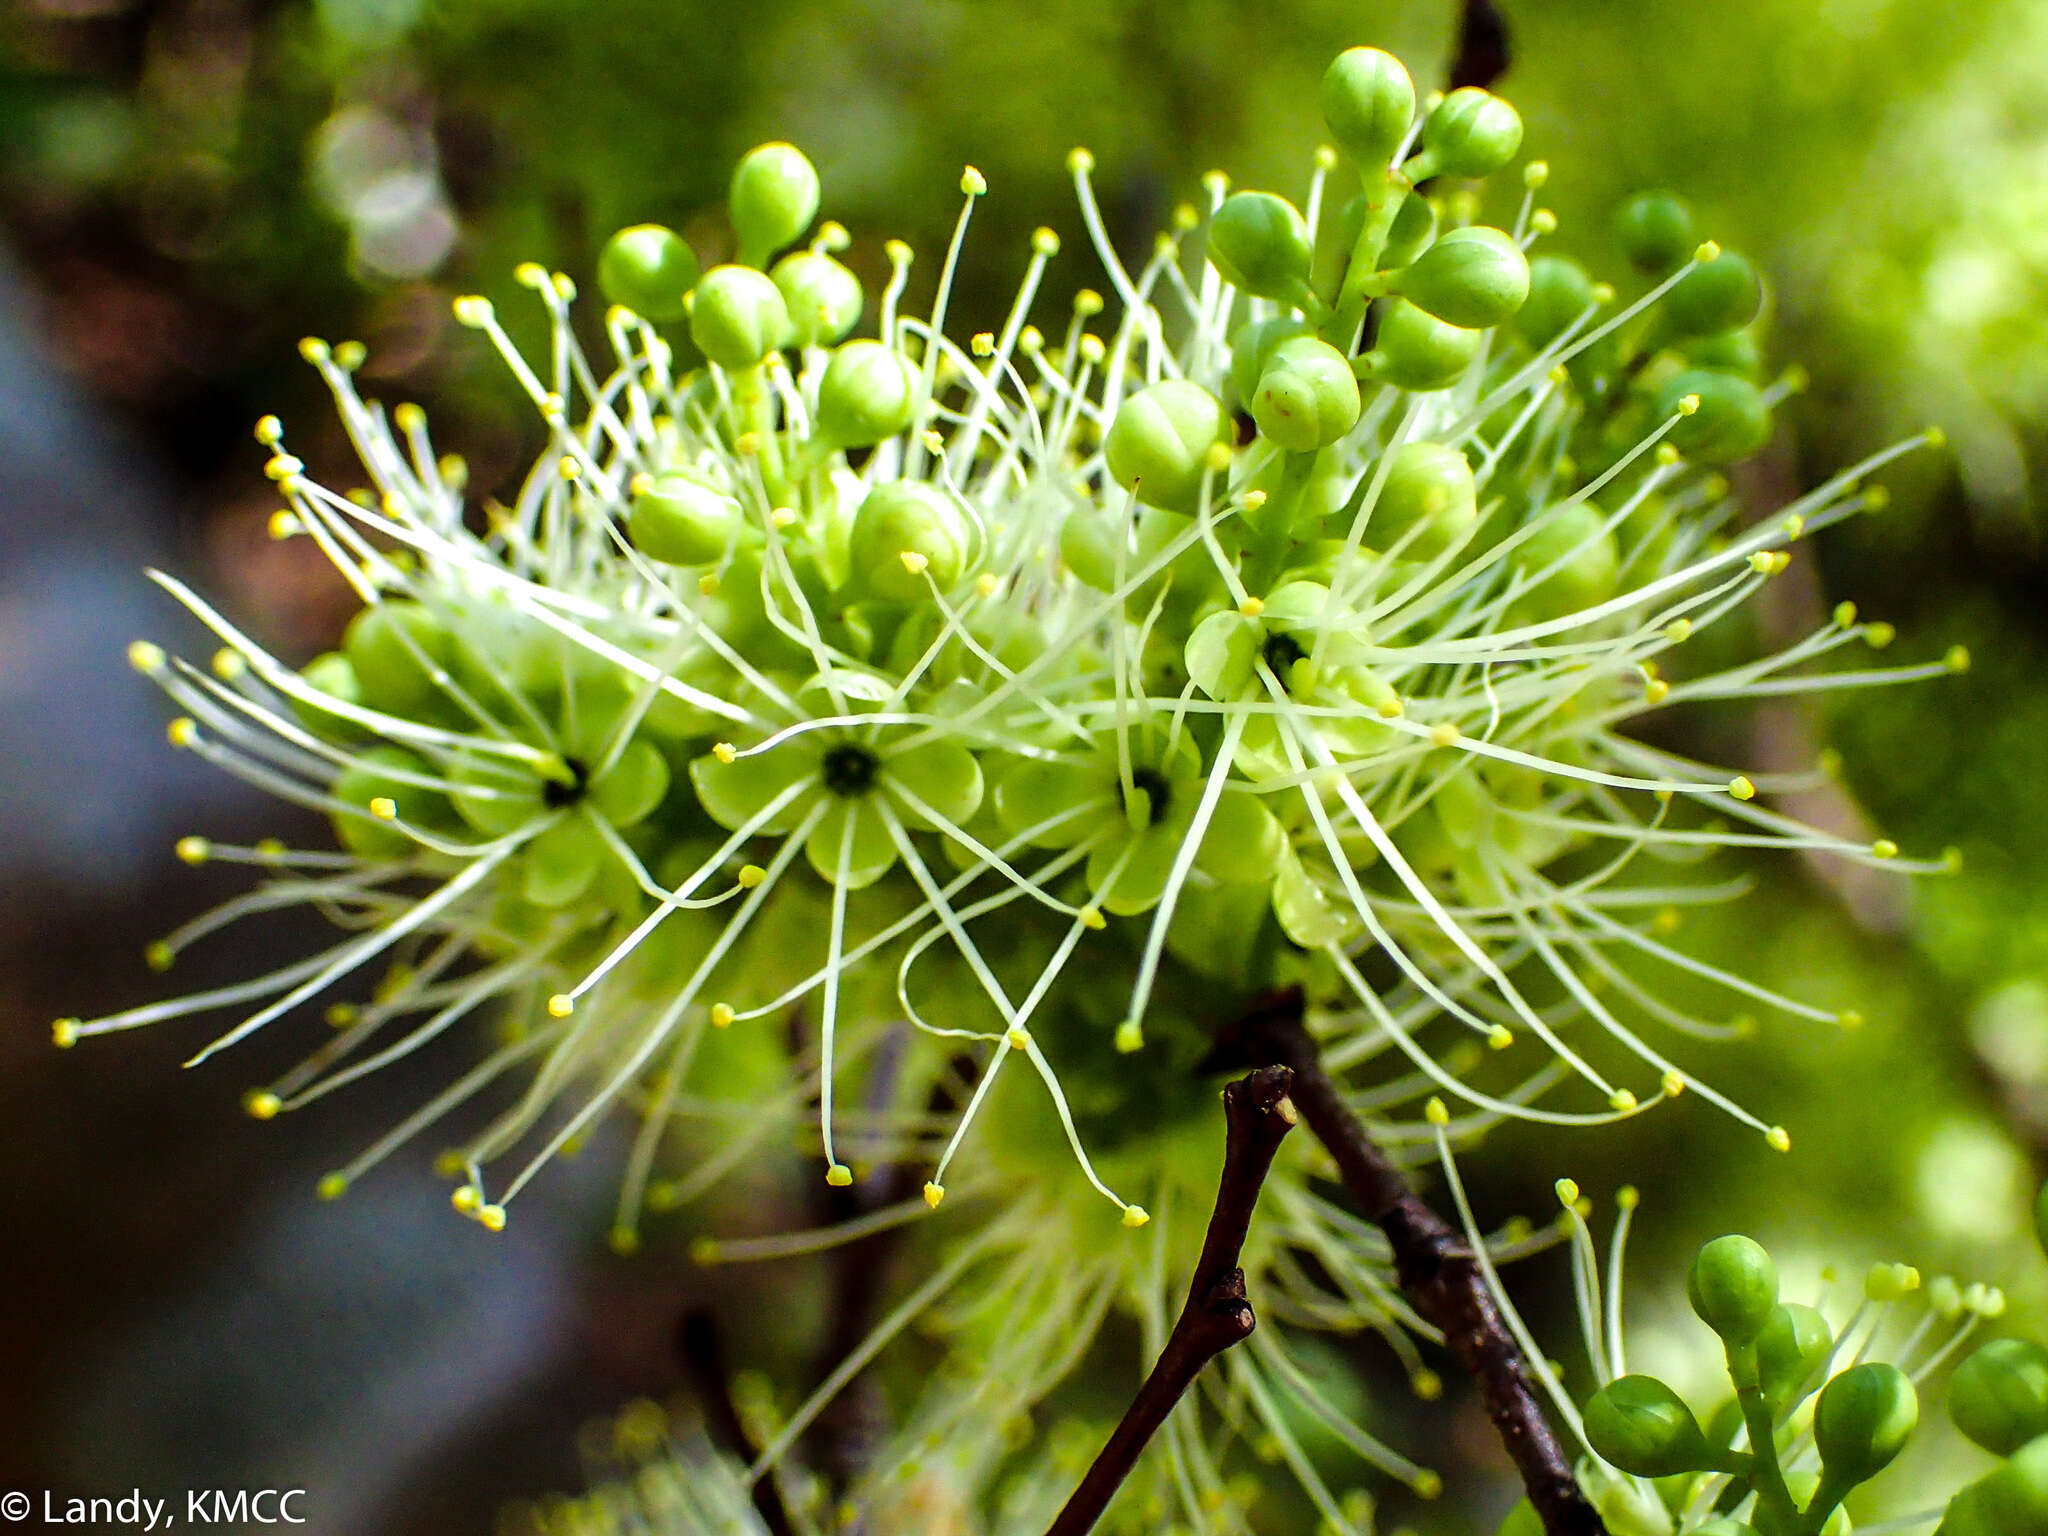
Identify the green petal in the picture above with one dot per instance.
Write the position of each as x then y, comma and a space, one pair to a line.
873, 853
1306, 916
1142, 880
732, 794
513, 798
633, 786
562, 861
942, 774
1244, 842
1031, 791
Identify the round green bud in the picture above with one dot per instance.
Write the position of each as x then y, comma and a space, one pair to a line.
1640, 1426
1259, 243
1252, 347
1088, 544
738, 317
1730, 421
1999, 1395
774, 197
647, 268
1414, 350
868, 393
2013, 1501
1306, 398
1368, 102
904, 533
1588, 561
1714, 296
823, 298
395, 647
1429, 490
1733, 1286
1560, 290
1412, 232
1969, 1513
679, 520
1791, 1348
368, 784
1730, 352
1471, 133
1471, 277
332, 675
1158, 446
1522, 1520
1655, 232
1864, 1418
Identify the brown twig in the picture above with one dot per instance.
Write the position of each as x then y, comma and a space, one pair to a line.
1257, 1115
1435, 1265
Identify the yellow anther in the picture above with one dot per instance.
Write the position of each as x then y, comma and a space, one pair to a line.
408, 416
1876, 498
182, 732
194, 850
988, 584
724, 751
1687, 404
913, 562
1130, 1037
1136, 1216
839, 1176
283, 524
722, 1015
1444, 735
708, 584
473, 309
282, 466
349, 355
782, 517
1667, 920
1621, 1099
1794, 525
1849, 1018
561, 1005
1656, 690
340, 1015
1957, 658
491, 1217
1952, 860
569, 468
146, 657
1661, 796
1045, 242
899, 252
751, 875
1678, 631
747, 445
158, 956
1879, 635
1216, 183
270, 849
933, 1194
262, 1104
384, 808
1936, 438
1427, 1385
64, 1033
1091, 918
1559, 375
1184, 219
1391, 707
1031, 340
1779, 1138
1017, 1037
1253, 500
1769, 562
1252, 607
1436, 1112
1667, 454
624, 1241
1567, 1192
1708, 251
1217, 457
1741, 787
1543, 221
1080, 161
1828, 761
1845, 615
1535, 174
703, 1250
1499, 1037
1087, 303
1428, 1484
229, 664
313, 350
332, 1186
1092, 351
1884, 848
982, 344
530, 274
268, 430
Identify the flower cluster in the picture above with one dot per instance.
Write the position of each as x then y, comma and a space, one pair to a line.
1282, 620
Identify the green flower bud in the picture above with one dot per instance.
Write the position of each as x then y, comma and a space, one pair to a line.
1591, 563
1713, 296
774, 197
1158, 446
2013, 1501
1864, 1418
1969, 1513
823, 298
1655, 232
394, 648
1732, 1287
1429, 489
1412, 232
738, 317
1088, 544
1471, 277
905, 532
647, 268
561, 863
1472, 133
868, 393
1790, 1350
1414, 350
1560, 290
369, 786
1733, 352
1252, 347
1307, 397
1730, 422
1999, 1396
1368, 102
1640, 1426
1259, 243
333, 676
679, 520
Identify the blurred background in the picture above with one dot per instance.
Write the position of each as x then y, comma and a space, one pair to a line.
188, 187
